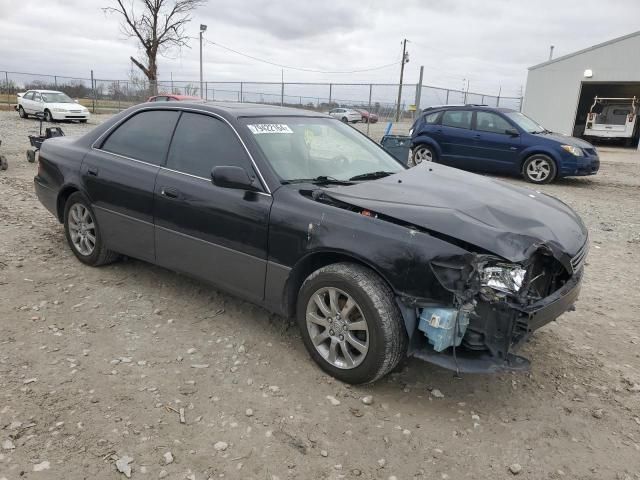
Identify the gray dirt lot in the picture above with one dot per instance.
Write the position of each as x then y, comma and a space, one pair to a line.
95, 364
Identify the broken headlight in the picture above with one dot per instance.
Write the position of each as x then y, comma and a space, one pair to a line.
504, 278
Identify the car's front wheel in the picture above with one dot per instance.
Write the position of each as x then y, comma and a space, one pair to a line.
423, 153
539, 169
83, 232
22, 113
350, 323
47, 116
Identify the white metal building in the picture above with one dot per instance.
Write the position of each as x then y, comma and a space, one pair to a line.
560, 92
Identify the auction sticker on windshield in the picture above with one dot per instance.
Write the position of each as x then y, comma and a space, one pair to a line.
260, 128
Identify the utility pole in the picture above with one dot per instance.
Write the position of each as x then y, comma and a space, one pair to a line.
405, 59
419, 89
203, 28
551, 52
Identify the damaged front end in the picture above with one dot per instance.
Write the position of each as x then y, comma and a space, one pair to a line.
495, 306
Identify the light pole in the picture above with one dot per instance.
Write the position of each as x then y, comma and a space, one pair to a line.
203, 28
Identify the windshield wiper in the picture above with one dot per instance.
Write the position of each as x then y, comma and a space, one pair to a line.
371, 175
322, 179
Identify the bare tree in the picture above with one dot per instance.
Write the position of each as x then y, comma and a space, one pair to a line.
159, 27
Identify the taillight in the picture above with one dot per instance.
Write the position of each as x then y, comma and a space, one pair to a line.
591, 115
39, 166
630, 119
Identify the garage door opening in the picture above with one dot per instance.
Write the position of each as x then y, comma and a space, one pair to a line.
589, 90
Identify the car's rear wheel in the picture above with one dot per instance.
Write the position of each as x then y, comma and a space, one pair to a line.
539, 169
22, 113
350, 323
345, 119
3, 163
423, 153
83, 232
47, 116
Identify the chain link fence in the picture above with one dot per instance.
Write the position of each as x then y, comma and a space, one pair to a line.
380, 99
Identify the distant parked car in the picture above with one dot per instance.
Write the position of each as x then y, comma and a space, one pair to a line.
368, 117
52, 104
499, 140
347, 115
172, 98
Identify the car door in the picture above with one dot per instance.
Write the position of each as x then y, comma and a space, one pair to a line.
456, 138
26, 100
37, 105
213, 233
494, 149
119, 176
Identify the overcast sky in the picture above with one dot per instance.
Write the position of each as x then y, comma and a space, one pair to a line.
489, 42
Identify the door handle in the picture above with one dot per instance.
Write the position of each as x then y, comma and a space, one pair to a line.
477, 135
93, 171
169, 192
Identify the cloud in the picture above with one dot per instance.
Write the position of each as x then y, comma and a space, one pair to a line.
490, 43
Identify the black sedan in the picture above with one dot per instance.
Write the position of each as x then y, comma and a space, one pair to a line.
302, 214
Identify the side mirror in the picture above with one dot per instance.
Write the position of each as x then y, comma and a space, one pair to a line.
233, 177
512, 131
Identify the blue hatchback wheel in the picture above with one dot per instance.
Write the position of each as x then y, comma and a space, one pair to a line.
539, 169
423, 153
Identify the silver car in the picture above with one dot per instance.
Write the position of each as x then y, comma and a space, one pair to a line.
347, 115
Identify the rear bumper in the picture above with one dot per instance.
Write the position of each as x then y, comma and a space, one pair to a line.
47, 196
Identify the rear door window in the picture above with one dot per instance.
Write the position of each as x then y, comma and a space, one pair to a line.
145, 136
457, 118
202, 142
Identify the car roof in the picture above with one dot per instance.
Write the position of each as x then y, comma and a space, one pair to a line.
468, 106
44, 91
238, 110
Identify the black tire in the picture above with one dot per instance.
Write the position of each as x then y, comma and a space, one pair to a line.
387, 336
345, 120
48, 117
539, 169
31, 155
100, 254
3, 163
22, 113
83, 121
420, 152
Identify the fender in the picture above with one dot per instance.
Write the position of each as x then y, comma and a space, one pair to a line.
424, 139
527, 152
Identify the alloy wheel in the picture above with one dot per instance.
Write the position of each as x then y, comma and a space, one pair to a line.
423, 154
337, 328
539, 169
82, 229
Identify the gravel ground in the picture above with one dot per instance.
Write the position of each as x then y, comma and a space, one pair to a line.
96, 366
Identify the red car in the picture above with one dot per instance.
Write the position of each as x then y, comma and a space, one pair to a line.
172, 98
368, 117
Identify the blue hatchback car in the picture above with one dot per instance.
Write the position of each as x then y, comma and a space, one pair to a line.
498, 140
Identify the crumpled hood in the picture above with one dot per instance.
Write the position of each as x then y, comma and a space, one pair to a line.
506, 220
565, 139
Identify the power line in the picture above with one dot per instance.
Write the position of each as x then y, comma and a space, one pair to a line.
301, 69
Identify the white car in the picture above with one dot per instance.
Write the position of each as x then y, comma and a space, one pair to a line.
347, 115
54, 105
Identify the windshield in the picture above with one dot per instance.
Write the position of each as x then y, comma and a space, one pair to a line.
525, 122
306, 148
56, 97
